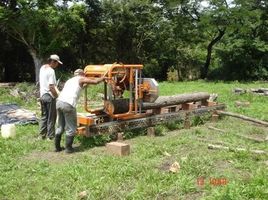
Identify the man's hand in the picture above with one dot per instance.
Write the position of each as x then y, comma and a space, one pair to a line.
53, 90
57, 90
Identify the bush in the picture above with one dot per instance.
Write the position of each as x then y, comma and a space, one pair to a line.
172, 75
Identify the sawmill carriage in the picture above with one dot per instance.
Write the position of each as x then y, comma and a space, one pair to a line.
131, 101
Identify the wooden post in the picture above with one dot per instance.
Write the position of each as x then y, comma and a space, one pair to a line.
120, 136
188, 106
214, 118
208, 103
118, 148
151, 131
187, 123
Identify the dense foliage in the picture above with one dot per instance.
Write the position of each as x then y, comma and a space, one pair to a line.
217, 39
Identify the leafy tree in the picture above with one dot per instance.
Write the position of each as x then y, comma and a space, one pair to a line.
244, 53
41, 25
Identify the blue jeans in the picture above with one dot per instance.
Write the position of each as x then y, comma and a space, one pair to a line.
67, 119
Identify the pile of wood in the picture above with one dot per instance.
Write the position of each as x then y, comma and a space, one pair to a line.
7, 85
258, 91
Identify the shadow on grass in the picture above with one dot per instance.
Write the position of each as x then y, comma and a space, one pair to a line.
101, 140
160, 130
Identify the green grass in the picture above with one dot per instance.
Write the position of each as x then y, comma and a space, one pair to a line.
31, 170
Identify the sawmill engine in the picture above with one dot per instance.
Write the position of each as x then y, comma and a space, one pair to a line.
124, 90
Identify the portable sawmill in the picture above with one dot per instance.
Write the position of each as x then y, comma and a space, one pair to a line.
131, 101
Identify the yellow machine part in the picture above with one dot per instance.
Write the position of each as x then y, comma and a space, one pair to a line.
97, 70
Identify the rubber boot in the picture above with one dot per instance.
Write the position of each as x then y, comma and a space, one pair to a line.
58, 148
69, 143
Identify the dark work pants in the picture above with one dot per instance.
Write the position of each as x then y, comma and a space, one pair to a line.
48, 116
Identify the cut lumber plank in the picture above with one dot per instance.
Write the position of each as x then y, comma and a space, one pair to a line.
220, 112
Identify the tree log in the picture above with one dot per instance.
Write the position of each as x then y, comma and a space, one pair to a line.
164, 101
116, 106
242, 117
7, 85
216, 129
213, 146
250, 138
216, 142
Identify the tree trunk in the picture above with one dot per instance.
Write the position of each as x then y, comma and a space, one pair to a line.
163, 101
122, 105
116, 106
204, 71
37, 63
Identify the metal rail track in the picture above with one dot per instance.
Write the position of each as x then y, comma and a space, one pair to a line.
120, 126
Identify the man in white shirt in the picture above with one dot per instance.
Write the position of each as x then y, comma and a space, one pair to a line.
48, 95
66, 108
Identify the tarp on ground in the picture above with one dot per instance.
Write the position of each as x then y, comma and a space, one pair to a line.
12, 114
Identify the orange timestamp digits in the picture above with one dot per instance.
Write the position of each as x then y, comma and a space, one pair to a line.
212, 181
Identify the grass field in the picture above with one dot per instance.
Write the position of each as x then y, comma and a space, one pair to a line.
31, 170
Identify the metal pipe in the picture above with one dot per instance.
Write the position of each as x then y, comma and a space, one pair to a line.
130, 98
105, 90
140, 100
136, 91
86, 106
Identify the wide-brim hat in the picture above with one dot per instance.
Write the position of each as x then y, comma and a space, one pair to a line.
56, 58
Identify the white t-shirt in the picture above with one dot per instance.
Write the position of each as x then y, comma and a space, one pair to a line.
46, 77
71, 91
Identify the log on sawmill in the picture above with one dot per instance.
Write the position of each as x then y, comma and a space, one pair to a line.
122, 105
116, 106
164, 101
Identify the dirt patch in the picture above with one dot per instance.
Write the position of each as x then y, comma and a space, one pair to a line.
168, 164
225, 166
193, 196
222, 165
165, 165
258, 136
62, 157
50, 157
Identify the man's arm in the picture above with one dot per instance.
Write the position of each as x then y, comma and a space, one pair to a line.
53, 90
52, 84
85, 80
